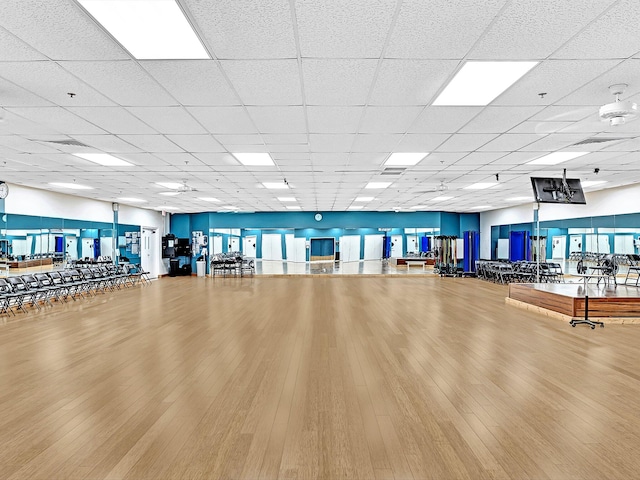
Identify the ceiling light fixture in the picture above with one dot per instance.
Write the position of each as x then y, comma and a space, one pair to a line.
364, 199
481, 186
72, 186
440, 199
287, 199
148, 29
172, 185
254, 159
208, 199
293, 207
479, 83
356, 207
275, 185
592, 183
378, 185
104, 159
404, 159
169, 194
132, 200
556, 157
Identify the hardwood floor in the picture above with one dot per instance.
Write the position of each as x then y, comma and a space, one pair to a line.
315, 377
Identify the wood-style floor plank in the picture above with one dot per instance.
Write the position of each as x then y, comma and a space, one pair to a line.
314, 377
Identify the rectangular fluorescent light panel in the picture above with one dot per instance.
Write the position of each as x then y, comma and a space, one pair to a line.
275, 185
378, 185
132, 200
169, 194
169, 185
481, 186
556, 158
479, 83
254, 159
404, 159
518, 199
287, 199
148, 29
356, 207
72, 186
592, 183
363, 199
293, 207
209, 199
104, 159
440, 199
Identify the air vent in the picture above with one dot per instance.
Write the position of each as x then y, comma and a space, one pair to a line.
593, 140
392, 171
71, 143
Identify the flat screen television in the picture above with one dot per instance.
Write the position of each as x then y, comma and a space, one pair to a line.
558, 190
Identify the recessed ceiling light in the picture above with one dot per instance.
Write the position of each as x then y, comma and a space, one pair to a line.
293, 207
479, 83
104, 159
72, 186
169, 194
356, 207
254, 159
518, 199
208, 199
287, 199
169, 185
149, 29
481, 207
275, 185
556, 158
132, 200
440, 199
404, 158
229, 207
481, 186
377, 185
592, 183
364, 199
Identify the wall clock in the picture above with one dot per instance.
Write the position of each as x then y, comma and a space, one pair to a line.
318, 217
4, 190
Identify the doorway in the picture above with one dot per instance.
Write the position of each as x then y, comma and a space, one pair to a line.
396, 246
234, 244
249, 246
150, 251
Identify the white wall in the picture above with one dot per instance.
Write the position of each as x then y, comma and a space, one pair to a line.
613, 201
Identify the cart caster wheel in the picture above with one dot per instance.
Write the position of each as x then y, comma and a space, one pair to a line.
602, 326
573, 325
593, 327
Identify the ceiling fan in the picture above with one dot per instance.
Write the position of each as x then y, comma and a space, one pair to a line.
185, 188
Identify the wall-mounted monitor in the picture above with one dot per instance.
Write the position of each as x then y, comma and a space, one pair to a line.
558, 190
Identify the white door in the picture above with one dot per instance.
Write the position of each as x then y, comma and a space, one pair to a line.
350, 248
396, 246
299, 249
603, 244
87, 248
623, 244
271, 246
71, 247
289, 247
373, 247
249, 246
150, 251
216, 244
575, 243
234, 244
413, 244
558, 247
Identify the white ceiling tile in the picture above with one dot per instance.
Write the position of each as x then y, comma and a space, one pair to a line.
59, 30
424, 29
57, 118
124, 82
330, 143
339, 29
196, 143
554, 141
527, 30
556, 79
477, 159
333, 119
14, 49
563, 113
151, 143
283, 148
330, 158
337, 82
466, 142
15, 124
217, 159
247, 30
112, 119
540, 128
605, 35
278, 119
106, 143
499, 119
15, 96
517, 158
388, 119
56, 89
168, 120
224, 120
414, 142
443, 119
265, 82
375, 143
26, 145
285, 139
510, 142
193, 82
410, 82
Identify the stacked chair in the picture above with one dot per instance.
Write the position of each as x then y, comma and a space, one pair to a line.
42, 289
232, 264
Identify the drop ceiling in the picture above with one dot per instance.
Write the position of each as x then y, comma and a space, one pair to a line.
329, 89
